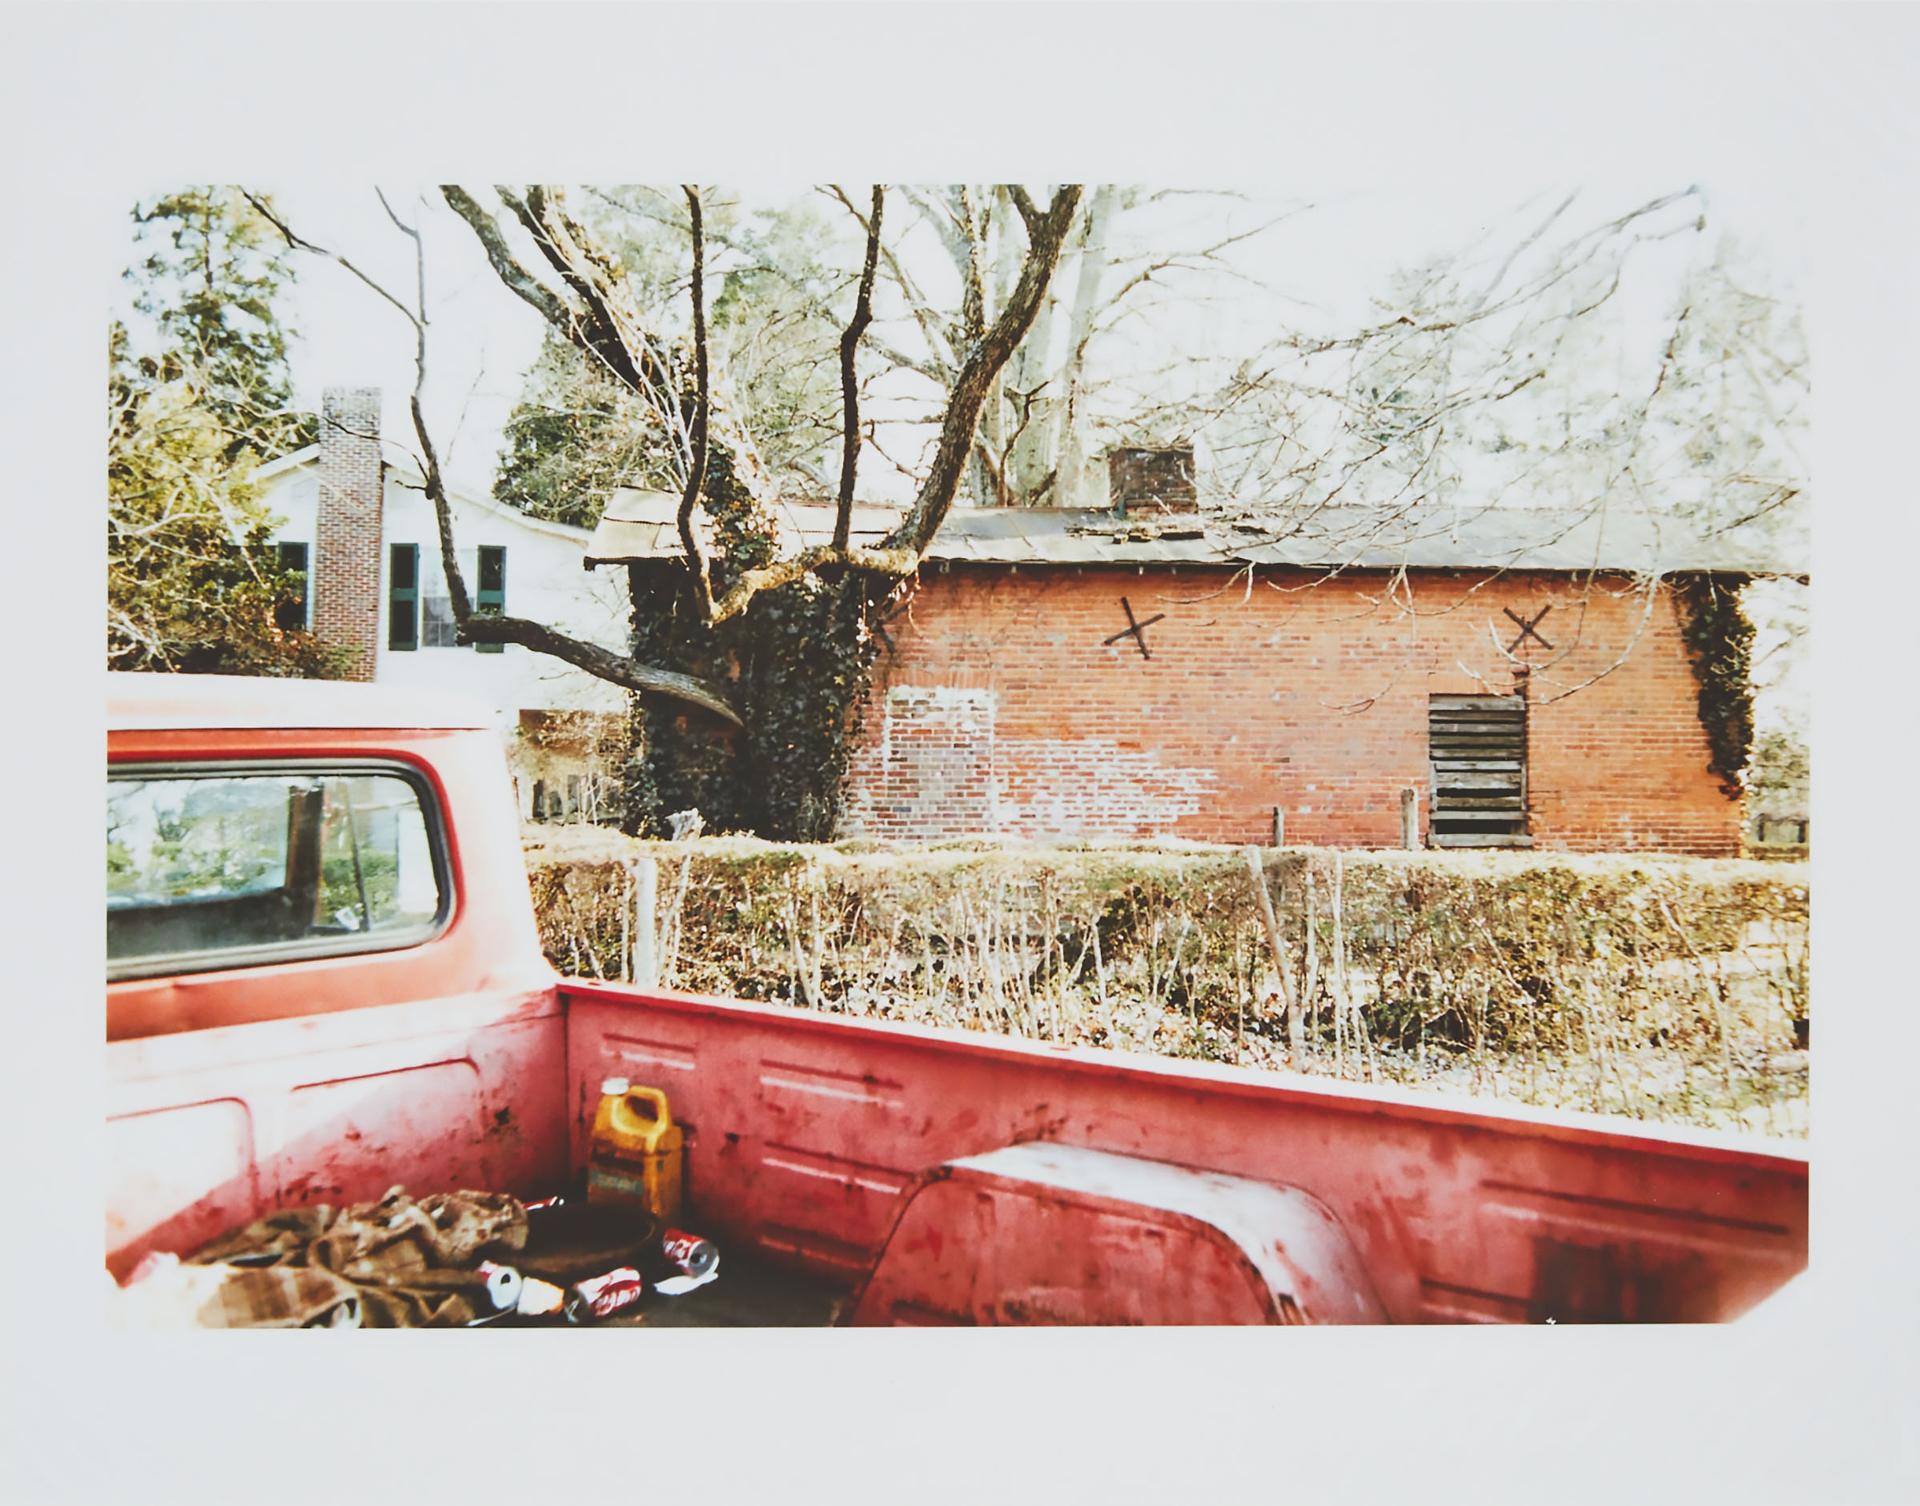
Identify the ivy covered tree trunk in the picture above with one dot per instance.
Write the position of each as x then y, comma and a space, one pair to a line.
798, 663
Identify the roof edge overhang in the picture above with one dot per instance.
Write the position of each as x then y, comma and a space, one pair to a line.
1327, 568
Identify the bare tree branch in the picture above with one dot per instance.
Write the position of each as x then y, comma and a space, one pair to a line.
300, 244
849, 344
696, 553
938, 346
419, 287
506, 266
470, 627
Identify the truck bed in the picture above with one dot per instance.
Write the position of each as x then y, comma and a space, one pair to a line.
804, 1131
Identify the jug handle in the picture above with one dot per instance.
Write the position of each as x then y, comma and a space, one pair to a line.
654, 1098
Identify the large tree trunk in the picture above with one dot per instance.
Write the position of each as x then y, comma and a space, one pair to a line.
1072, 483
998, 235
1031, 388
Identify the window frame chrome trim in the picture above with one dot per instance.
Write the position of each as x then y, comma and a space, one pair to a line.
227, 959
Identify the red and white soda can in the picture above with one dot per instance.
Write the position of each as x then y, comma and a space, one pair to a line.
689, 1254
602, 1296
503, 1284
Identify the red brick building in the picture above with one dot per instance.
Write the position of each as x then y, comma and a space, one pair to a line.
1158, 672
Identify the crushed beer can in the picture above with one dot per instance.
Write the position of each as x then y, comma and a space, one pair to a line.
602, 1296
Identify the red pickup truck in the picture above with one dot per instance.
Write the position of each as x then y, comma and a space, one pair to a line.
324, 979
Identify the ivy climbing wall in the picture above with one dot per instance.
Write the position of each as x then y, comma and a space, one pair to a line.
1065, 702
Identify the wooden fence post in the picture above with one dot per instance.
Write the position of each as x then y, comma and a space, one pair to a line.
1296, 1030
646, 966
1279, 826
1410, 818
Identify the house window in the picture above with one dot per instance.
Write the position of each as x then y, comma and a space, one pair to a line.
290, 612
492, 595
436, 625
1477, 749
403, 598
436, 622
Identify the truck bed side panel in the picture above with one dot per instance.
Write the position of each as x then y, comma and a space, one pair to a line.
804, 1129
211, 1128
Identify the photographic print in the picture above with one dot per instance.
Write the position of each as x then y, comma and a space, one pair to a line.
1087, 754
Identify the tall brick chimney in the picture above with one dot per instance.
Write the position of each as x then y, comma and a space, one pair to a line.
346, 545
1148, 481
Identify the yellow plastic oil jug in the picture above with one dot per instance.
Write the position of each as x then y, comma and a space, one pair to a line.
636, 1150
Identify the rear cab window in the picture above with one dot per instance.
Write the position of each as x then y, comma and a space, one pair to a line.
232, 865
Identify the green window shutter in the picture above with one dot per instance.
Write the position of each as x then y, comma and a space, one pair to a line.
491, 598
403, 598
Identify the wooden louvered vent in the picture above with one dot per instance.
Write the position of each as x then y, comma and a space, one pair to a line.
1478, 749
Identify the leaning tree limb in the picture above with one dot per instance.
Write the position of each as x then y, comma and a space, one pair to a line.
585, 314
602, 663
506, 266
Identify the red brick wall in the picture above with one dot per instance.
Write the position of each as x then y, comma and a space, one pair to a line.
1003, 711
346, 546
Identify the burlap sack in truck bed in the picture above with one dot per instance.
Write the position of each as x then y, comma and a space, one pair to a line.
410, 1261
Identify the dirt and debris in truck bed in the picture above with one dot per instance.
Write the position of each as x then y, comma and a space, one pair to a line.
575, 1239
749, 1292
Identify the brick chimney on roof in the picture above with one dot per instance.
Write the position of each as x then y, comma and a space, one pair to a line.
347, 529
1149, 481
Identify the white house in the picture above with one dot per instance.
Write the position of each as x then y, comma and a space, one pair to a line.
359, 525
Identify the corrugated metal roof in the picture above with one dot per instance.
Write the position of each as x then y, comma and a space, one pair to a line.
640, 525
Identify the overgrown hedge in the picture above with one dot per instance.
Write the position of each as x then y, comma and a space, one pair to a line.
1672, 987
